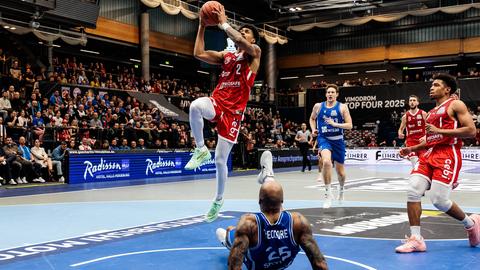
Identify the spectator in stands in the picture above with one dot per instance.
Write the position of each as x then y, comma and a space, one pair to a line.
165, 144
58, 156
5, 169
16, 73
40, 157
113, 145
38, 124
5, 105
124, 145
31, 169
85, 145
3, 131
72, 144
95, 122
133, 145
141, 144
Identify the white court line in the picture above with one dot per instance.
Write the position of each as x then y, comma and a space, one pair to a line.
383, 239
200, 248
352, 181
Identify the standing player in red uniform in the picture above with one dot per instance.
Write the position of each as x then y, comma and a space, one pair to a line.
439, 167
414, 121
228, 101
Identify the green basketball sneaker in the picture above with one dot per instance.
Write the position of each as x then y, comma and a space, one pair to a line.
214, 210
200, 155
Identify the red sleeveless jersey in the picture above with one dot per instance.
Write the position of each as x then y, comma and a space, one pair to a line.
234, 83
415, 127
439, 118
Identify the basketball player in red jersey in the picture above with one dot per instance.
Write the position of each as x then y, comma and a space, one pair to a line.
228, 101
438, 168
414, 121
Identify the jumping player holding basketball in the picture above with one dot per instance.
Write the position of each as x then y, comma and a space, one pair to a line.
414, 121
437, 170
228, 101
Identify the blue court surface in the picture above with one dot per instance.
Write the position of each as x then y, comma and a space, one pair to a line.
190, 243
157, 225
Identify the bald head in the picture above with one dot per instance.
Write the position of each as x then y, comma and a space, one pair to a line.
271, 197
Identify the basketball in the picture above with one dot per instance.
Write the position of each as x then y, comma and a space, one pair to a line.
206, 13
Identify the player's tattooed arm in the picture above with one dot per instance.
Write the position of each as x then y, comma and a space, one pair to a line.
243, 234
251, 49
304, 237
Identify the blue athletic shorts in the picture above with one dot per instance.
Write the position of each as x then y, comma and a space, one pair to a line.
337, 147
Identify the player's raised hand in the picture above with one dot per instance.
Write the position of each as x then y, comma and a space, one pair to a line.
405, 151
431, 129
330, 121
222, 17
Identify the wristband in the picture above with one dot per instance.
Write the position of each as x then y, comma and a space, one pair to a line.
224, 26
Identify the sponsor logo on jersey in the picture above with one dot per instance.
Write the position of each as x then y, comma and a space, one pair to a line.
441, 110
230, 84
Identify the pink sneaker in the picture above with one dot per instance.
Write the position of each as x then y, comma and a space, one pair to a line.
474, 232
412, 244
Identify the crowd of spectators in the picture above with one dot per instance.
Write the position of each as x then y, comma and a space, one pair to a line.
35, 122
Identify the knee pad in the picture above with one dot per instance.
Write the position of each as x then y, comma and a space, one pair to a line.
416, 188
442, 204
440, 199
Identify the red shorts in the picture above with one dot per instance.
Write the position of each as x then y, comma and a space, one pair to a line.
441, 163
228, 124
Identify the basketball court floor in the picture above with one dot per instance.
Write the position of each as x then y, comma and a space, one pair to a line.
158, 225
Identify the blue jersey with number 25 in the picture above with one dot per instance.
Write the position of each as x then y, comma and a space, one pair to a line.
276, 247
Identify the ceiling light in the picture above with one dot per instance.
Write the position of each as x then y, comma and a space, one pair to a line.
55, 45
416, 68
289, 78
298, 8
348, 73
449, 65
376, 71
6, 27
165, 65
314, 75
292, 9
88, 51
203, 72
135, 60
13, 28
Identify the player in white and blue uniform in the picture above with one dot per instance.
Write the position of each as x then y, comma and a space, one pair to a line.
271, 238
328, 120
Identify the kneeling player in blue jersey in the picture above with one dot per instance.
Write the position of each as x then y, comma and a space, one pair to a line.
272, 238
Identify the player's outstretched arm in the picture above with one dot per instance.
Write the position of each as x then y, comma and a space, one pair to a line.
241, 243
304, 237
313, 119
402, 127
211, 57
348, 124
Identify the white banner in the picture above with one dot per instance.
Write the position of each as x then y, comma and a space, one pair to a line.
470, 156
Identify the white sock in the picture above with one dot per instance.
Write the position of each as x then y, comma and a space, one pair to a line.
221, 156
468, 222
341, 188
328, 190
415, 231
199, 109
